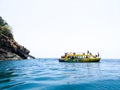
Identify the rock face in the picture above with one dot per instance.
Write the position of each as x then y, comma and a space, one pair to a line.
9, 48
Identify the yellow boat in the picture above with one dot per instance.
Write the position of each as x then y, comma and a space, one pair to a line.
80, 57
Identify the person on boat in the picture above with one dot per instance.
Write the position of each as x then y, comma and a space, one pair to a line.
98, 54
66, 54
90, 54
87, 56
95, 56
87, 51
74, 55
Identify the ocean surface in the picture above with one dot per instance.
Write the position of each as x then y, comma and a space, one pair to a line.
50, 74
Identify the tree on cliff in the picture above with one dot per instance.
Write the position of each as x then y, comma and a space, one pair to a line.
5, 28
2, 22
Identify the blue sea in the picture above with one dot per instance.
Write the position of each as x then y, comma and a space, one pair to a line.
50, 74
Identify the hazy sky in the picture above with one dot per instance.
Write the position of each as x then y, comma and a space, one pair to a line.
48, 28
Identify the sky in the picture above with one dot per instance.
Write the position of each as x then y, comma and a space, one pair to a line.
49, 28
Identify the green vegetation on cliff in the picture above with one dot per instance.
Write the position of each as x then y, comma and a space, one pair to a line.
5, 29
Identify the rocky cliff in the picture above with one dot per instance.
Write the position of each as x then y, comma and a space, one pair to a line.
9, 48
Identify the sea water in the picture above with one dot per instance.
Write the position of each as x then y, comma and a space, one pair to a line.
50, 74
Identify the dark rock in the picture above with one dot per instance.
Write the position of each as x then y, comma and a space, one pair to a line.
9, 48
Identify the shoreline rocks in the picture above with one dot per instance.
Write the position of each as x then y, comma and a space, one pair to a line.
9, 48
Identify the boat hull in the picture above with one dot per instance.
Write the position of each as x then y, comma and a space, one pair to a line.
80, 60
